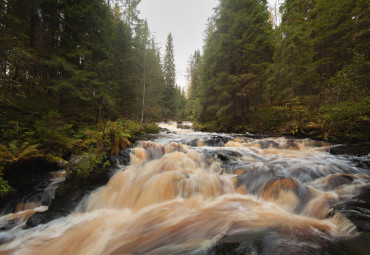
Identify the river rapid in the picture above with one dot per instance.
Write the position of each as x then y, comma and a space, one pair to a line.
187, 192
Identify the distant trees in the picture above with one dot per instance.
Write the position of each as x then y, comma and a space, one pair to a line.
169, 79
83, 59
73, 76
237, 52
306, 74
193, 106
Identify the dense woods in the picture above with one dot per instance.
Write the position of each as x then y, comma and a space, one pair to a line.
308, 75
84, 77
77, 71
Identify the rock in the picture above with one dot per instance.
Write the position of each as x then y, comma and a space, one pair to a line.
268, 144
359, 149
182, 126
123, 158
67, 198
358, 245
61, 163
216, 141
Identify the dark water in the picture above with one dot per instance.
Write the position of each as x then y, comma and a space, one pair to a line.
186, 192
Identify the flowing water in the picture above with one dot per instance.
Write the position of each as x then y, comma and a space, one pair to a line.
188, 192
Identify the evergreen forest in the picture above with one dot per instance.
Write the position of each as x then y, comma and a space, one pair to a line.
79, 77
307, 75
86, 77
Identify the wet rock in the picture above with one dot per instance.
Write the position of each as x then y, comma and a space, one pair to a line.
39, 190
216, 141
123, 158
360, 149
194, 143
26, 174
305, 174
291, 145
223, 155
67, 198
356, 246
266, 144
68, 195
253, 179
357, 210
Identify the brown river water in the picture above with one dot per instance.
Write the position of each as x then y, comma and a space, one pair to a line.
187, 192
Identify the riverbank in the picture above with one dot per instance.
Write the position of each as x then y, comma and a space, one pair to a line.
347, 144
85, 152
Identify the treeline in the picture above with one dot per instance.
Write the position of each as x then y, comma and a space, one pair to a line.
70, 69
84, 59
310, 74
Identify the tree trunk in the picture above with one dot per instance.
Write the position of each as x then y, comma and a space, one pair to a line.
142, 109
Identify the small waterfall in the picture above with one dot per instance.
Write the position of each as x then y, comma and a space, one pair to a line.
176, 197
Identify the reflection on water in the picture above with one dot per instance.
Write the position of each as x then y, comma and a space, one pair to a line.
180, 195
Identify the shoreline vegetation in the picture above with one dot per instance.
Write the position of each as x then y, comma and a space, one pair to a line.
87, 152
84, 152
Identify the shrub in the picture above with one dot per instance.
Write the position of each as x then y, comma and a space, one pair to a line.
151, 128
99, 143
4, 186
16, 151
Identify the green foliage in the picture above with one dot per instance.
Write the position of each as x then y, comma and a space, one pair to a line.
237, 51
4, 186
169, 80
73, 55
66, 66
193, 107
115, 135
88, 166
55, 134
17, 150
151, 128
349, 120
307, 76
208, 126
12, 153
99, 143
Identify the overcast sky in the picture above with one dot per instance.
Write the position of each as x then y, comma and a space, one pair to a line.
185, 19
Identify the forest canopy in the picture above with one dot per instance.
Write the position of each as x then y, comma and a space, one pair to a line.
309, 74
76, 77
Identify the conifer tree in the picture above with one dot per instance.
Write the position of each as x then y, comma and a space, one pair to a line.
169, 79
193, 105
237, 53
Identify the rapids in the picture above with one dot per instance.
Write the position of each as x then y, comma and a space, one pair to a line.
187, 192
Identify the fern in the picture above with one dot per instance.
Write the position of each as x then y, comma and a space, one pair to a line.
15, 152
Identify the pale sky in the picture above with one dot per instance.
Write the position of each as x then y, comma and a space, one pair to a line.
186, 20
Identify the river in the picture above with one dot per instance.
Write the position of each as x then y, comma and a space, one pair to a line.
187, 192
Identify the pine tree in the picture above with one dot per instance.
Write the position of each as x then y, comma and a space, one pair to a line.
155, 84
193, 105
170, 79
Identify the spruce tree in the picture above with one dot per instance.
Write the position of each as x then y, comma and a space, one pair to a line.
169, 79
236, 54
193, 105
